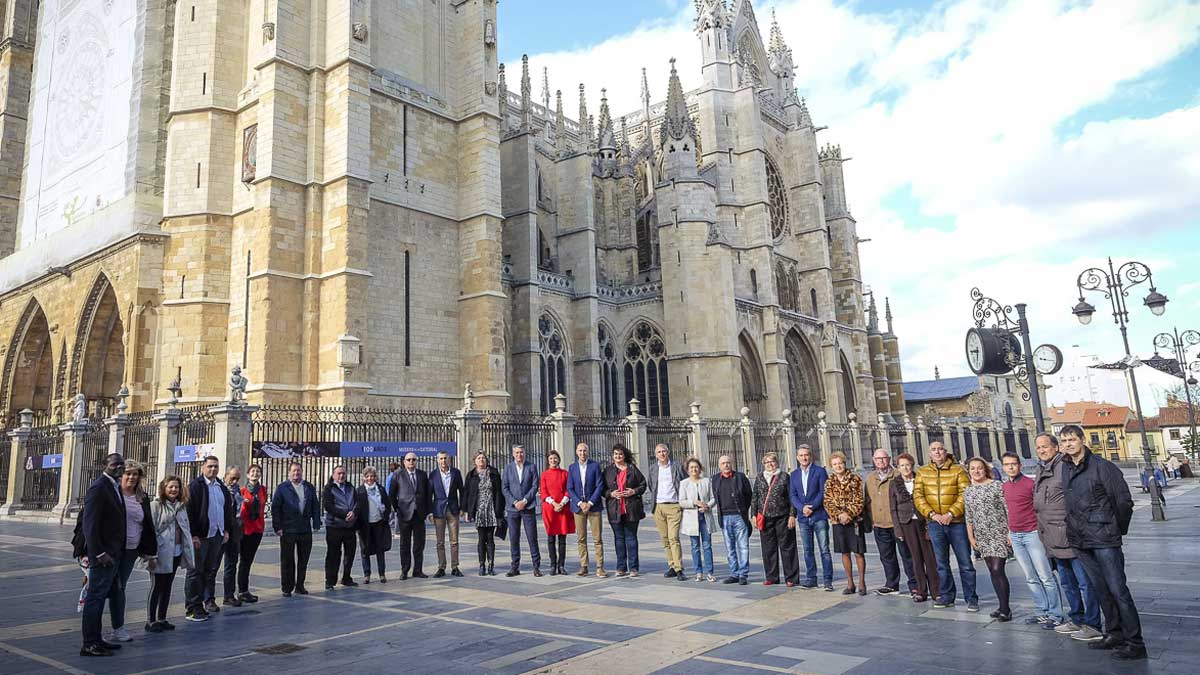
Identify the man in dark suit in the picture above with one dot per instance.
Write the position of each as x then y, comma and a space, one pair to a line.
585, 488
211, 516
104, 544
411, 500
520, 487
447, 484
806, 490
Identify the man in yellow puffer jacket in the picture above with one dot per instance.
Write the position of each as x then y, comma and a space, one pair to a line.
938, 495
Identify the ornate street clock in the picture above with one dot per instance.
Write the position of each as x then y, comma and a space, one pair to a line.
991, 351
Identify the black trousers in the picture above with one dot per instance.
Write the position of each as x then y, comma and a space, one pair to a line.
340, 543
232, 552
887, 545
1105, 568
557, 543
779, 542
412, 544
160, 594
248, 549
486, 546
294, 550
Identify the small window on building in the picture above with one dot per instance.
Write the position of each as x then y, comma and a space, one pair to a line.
1095, 439
1174, 434
1112, 439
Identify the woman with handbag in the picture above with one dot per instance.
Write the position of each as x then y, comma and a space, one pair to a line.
254, 523
844, 502
624, 486
699, 504
173, 536
774, 517
484, 505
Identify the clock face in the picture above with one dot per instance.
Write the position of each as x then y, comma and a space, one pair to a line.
975, 353
1047, 359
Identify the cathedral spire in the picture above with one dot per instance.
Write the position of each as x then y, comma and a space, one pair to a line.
525, 91
645, 93
503, 98
872, 317
678, 137
546, 88
778, 48
887, 313
585, 128
604, 132
560, 131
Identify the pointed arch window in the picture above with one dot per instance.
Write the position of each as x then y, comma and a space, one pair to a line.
610, 385
646, 370
776, 199
647, 242
553, 358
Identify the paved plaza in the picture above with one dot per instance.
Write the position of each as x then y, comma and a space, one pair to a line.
571, 625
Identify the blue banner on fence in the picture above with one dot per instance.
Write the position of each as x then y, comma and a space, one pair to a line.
397, 448
35, 462
193, 453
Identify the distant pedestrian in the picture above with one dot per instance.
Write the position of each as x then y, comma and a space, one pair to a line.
624, 486
734, 496
807, 488
844, 499
773, 515
556, 514
447, 486
699, 518
520, 486
341, 529
104, 533
254, 524
231, 551
210, 513
484, 506
938, 494
1031, 556
911, 529
374, 530
987, 528
168, 517
295, 515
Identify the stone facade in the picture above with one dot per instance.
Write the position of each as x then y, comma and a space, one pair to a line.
354, 208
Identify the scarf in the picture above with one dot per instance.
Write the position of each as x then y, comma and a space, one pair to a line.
768, 475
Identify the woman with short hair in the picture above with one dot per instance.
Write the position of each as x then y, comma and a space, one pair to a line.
556, 514
772, 513
844, 502
623, 488
699, 517
173, 539
374, 514
484, 505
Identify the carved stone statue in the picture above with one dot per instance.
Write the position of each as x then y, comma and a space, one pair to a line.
237, 386
80, 412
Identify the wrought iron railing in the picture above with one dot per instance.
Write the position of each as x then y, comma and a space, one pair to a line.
806, 434
673, 432
141, 444
601, 434
93, 447
724, 438
868, 440
502, 430
840, 441
41, 485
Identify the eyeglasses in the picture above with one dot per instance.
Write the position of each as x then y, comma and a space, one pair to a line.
409, 459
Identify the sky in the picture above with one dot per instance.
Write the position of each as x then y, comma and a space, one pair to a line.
1004, 145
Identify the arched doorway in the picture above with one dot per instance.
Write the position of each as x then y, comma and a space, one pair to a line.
29, 365
754, 388
99, 357
849, 400
805, 393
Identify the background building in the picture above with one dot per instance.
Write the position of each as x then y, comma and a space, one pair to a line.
977, 397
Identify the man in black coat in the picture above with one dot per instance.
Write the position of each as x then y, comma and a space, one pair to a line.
1099, 508
211, 516
104, 544
408, 489
733, 492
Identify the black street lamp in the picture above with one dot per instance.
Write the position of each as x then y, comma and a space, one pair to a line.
1115, 284
1180, 343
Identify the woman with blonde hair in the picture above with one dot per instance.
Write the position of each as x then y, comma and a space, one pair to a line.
172, 533
844, 502
140, 541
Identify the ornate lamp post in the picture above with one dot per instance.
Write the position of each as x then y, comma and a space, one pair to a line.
1114, 284
1180, 343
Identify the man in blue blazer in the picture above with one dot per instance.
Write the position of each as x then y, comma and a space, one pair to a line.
447, 484
585, 489
520, 487
807, 493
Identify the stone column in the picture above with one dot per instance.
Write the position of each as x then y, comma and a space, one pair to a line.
962, 439
994, 430
233, 427
823, 438
168, 437
564, 430
856, 448
16, 463
699, 432
885, 438
910, 436
72, 466
637, 434
746, 429
922, 437
788, 429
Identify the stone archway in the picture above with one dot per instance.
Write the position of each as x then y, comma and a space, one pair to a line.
29, 365
754, 387
98, 362
849, 400
805, 393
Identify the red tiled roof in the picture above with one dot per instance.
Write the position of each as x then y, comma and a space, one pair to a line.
1070, 413
1175, 416
1105, 416
1133, 426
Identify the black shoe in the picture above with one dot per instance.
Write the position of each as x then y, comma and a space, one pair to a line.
455, 573
404, 576
300, 590
885, 590
210, 606
995, 614
744, 581
680, 576
1128, 652
349, 582
110, 646
512, 572
483, 570
166, 625
1004, 617
287, 594
491, 571
153, 628
420, 575
828, 588
942, 603
199, 615
382, 579
366, 580
670, 573
554, 570
439, 574
329, 587
1108, 642
537, 571
808, 585
233, 602
730, 580
248, 597
94, 650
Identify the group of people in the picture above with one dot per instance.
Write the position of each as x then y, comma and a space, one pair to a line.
1063, 525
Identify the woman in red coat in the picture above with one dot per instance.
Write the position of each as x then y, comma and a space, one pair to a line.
556, 514
254, 520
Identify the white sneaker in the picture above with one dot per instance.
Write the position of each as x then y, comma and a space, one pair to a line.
120, 635
699, 577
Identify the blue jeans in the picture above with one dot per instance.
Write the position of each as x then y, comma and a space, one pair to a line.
104, 583
1031, 555
737, 545
116, 606
626, 542
1106, 570
947, 537
702, 558
1081, 599
806, 530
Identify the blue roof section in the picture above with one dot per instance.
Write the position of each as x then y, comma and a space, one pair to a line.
940, 390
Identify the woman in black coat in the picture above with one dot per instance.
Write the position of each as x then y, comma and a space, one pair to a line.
623, 489
374, 511
484, 506
777, 535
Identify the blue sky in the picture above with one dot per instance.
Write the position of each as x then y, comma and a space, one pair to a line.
1006, 145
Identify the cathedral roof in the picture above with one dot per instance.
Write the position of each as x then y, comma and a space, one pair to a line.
945, 389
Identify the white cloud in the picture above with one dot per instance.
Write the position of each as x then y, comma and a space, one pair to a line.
962, 105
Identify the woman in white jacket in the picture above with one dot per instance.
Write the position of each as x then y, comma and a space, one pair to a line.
699, 504
168, 513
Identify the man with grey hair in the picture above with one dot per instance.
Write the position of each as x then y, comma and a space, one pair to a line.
519, 484
411, 500
663, 496
879, 505
806, 489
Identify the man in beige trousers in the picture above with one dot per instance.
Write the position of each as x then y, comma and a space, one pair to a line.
662, 495
585, 492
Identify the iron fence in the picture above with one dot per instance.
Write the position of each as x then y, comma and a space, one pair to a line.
504, 429
673, 432
840, 441
41, 485
141, 444
768, 437
600, 434
5, 455
868, 435
196, 427
93, 447
725, 438
897, 437
806, 434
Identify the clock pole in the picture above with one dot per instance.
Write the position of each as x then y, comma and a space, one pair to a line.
1034, 392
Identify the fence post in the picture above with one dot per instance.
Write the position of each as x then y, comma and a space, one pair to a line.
72, 466
468, 430
233, 428
962, 439
564, 430
788, 428
855, 442
922, 437
16, 463
823, 437
994, 429
746, 429
910, 436
168, 437
883, 434
637, 434
699, 431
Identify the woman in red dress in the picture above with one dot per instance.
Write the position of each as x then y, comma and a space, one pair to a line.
556, 514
